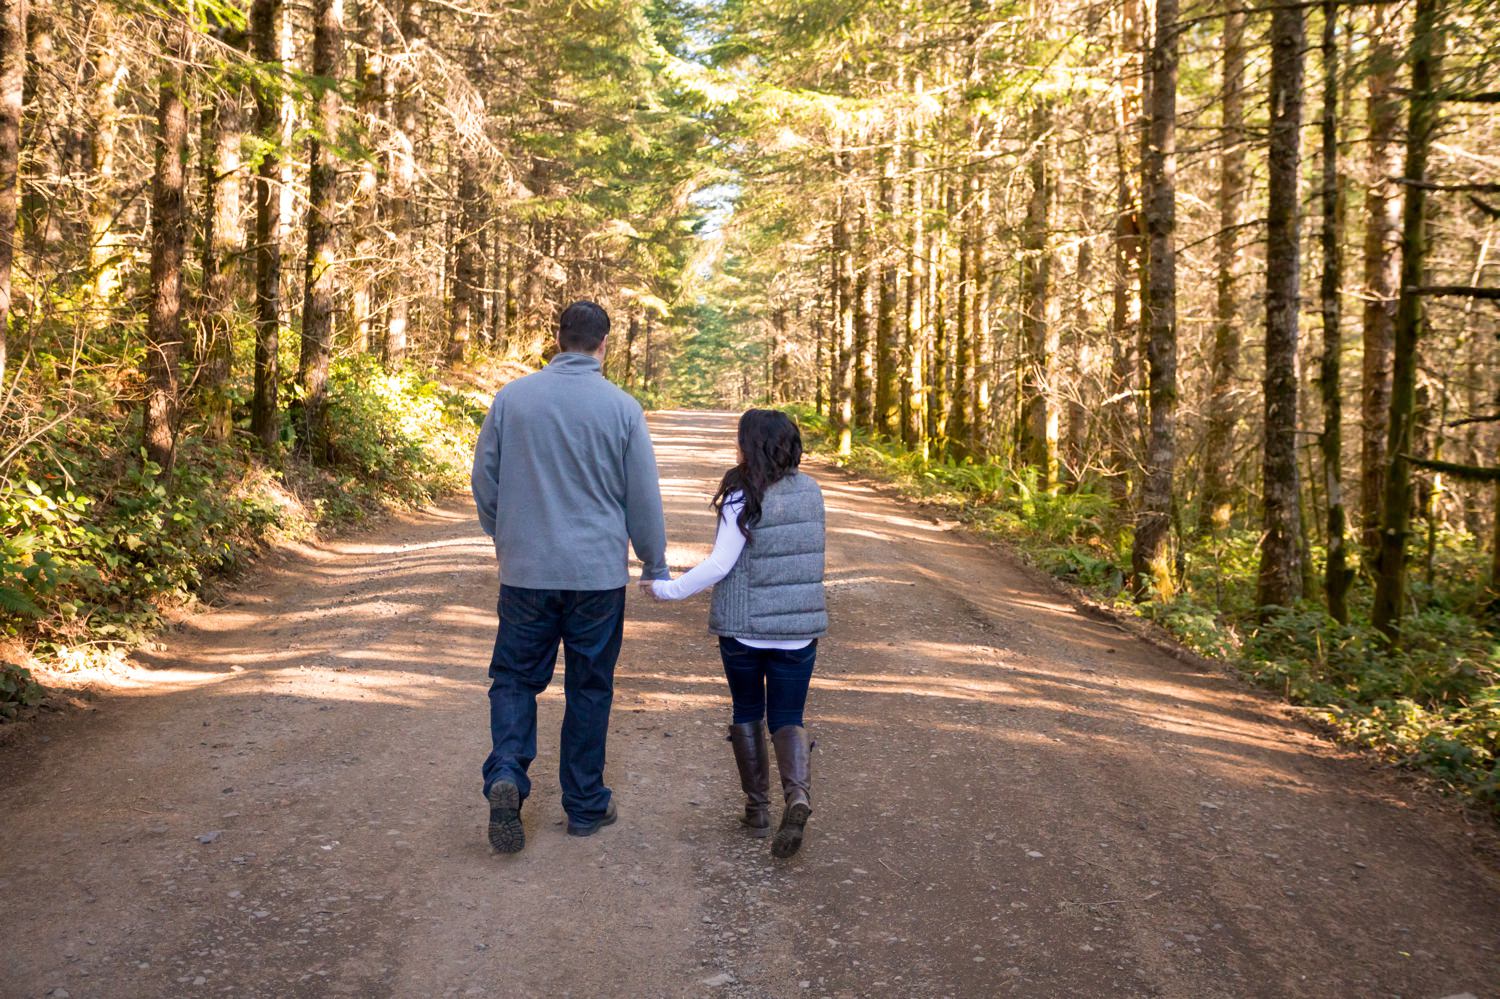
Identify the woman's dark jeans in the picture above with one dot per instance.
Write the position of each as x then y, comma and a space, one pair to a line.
767, 683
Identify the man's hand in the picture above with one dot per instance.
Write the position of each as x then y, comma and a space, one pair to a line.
645, 584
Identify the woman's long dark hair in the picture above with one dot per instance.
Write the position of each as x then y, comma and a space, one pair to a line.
771, 446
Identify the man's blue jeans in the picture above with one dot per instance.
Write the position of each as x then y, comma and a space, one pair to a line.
589, 624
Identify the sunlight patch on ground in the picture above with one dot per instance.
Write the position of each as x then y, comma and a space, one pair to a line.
462, 548
675, 701
918, 687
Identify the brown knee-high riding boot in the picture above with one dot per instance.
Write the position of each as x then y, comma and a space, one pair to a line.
792, 751
754, 763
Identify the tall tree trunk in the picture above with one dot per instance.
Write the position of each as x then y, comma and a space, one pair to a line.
984, 341
1395, 524
37, 216
1280, 578
888, 327
223, 237
842, 382
370, 69
264, 418
1080, 401
632, 330
815, 321
781, 358
1217, 505
1040, 333
12, 84
287, 47
1151, 555
1336, 572
647, 372
960, 419
1494, 593
914, 382
499, 284
105, 246
322, 209
168, 242
401, 174
864, 358
1128, 243
483, 280
465, 303
511, 317
1381, 268
960, 438
938, 354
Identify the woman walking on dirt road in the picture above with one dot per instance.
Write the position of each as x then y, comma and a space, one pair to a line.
768, 610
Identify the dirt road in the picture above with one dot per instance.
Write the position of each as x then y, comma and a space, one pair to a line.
1011, 798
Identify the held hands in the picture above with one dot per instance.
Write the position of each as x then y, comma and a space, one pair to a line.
650, 589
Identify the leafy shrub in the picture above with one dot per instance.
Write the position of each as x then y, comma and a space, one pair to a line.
17, 690
102, 565
406, 434
95, 541
1432, 703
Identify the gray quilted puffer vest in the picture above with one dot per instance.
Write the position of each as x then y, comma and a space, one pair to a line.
775, 590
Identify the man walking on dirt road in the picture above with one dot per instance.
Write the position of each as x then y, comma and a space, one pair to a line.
563, 475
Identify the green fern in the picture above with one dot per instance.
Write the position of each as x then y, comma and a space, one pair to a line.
17, 603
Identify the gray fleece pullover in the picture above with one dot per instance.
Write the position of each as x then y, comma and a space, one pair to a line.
563, 474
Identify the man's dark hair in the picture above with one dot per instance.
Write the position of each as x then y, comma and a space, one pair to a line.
582, 327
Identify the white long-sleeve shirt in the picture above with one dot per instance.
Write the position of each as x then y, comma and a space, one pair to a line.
729, 544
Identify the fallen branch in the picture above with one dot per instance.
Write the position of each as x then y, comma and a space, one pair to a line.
1484, 206
1487, 418
1469, 473
1459, 291
1483, 97
1428, 185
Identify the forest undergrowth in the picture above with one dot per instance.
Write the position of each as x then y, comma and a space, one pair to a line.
97, 542
1431, 703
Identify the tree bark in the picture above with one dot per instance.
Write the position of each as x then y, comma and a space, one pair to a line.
12, 84
960, 437
1217, 504
984, 341
1280, 577
1151, 556
1336, 572
370, 69
401, 174
819, 350
1395, 524
632, 330
465, 302
781, 359
938, 351
647, 374
1381, 270
842, 263
264, 414
37, 219
168, 243
105, 247
322, 210
864, 367
914, 382
887, 323
512, 305
223, 237
1128, 241
1039, 326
